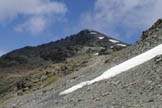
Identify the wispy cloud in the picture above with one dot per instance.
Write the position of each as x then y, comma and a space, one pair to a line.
126, 16
37, 13
33, 25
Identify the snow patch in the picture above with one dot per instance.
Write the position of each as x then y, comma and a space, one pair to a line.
93, 33
122, 45
111, 47
125, 66
113, 41
96, 54
101, 38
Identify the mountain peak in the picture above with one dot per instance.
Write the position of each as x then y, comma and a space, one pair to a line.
91, 32
85, 42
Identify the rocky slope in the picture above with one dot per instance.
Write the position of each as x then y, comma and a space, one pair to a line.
140, 87
31, 68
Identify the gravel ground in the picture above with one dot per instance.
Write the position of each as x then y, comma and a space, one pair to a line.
140, 87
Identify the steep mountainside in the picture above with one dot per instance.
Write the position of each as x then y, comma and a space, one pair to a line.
139, 87
86, 41
25, 70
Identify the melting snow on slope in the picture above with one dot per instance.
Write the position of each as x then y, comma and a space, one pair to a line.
131, 63
113, 41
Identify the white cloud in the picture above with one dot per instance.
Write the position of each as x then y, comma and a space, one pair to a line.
36, 12
33, 25
128, 15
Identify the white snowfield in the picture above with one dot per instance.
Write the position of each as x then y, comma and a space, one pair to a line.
125, 66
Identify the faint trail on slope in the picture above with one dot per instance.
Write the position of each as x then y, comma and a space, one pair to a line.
125, 66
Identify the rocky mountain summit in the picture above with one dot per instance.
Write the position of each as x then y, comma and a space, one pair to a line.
86, 41
138, 87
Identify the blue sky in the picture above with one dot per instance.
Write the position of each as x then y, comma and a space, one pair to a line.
33, 22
